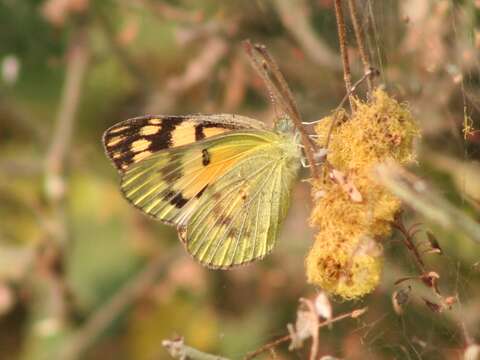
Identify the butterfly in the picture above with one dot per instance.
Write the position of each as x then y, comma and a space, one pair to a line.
223, 180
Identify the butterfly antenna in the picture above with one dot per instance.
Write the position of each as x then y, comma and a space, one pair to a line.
276, 84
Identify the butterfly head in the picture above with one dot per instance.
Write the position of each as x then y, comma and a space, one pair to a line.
284, 125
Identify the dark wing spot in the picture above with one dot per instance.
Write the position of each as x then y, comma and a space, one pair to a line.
124, 159
176, 199
130, 131
210, 124
171, 171
199, 134
201, 191
163, 139
224, 219
205, 157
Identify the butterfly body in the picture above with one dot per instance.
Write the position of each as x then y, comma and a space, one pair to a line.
224, 180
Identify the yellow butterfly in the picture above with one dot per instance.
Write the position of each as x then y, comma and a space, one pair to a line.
224, 180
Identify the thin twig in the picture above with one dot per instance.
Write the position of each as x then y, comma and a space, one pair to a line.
359, 35
54, 171
178, 350
78, 55
102, 318
352, 314
409, 243
342, 40
276, 84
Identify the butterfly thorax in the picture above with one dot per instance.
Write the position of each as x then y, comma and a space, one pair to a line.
290, 143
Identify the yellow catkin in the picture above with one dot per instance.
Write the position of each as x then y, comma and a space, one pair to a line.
346, 258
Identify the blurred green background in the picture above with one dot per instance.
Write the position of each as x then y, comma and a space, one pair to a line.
83, 275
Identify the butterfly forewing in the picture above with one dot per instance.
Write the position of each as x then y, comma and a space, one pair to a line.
168, 184
136, 139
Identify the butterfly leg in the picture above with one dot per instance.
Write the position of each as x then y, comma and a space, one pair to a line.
311, 122
320, 155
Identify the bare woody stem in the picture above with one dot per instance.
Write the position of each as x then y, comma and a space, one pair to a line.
360, 36
352, 314
342, 40
178, 350
276, 84
51, 254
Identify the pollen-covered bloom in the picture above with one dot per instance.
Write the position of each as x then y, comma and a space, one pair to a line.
352, 211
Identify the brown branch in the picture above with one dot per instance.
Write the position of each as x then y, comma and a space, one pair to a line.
409, 243
178, 350
359, 35
102, 318
276, 84
352, 314
78, 55
54, 172
342, 40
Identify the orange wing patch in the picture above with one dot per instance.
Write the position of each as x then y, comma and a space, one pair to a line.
136, 139
212, 131
183, 134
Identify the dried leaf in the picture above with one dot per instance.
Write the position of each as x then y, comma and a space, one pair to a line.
306, 325
472, 352
433, 306
434, 244
400, 299
346, 184
323, 306
449, 301
431, 280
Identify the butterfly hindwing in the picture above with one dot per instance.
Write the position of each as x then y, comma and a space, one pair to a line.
238, 217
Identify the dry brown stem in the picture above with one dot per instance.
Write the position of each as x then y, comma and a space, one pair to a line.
54, 171
342, 40
178, 350
278, 88
352, 314
360, 37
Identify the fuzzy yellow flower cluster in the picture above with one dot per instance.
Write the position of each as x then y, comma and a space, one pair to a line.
346, 258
